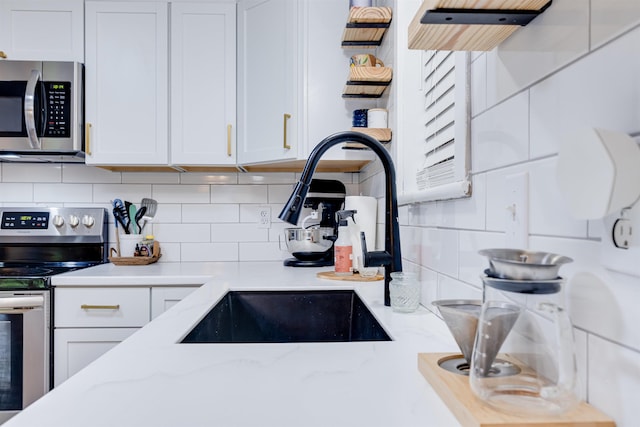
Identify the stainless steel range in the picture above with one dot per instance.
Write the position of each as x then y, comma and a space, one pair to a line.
35, 244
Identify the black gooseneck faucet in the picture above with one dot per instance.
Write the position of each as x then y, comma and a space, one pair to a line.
391, 257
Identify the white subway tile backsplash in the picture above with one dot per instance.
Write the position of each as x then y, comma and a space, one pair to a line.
238, 233
610, 18
552, 40
239, 193
471, 264
614, 380
181, 193
500, 136
261, 251
548, 213
217, 178
449, 288
86, 174
28, 172
63, 193
150, 178
205, 252
105, 193
181, 233
267, 178
598, 91
279, 193
478, 85
167, 213
15, 193
216, 213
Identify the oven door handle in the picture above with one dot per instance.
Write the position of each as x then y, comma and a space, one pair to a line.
22, 301
29, 109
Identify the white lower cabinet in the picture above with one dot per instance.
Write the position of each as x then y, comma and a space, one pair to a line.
90, 321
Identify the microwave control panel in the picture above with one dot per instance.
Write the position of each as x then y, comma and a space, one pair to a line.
57, 99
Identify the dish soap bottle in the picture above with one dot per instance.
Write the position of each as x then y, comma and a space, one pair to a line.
343, 248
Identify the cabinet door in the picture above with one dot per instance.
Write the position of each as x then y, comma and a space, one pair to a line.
40, 30
162, 299
126, 83
203, 84
76, 348
268, 80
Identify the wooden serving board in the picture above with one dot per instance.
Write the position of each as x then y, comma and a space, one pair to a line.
464, 37
454, 390
331, 275
138, 260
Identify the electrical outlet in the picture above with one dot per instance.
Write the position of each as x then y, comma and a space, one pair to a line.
264, 217
517, 211
620, 249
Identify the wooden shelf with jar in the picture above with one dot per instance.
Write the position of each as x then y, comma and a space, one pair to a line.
367, 82
366, 26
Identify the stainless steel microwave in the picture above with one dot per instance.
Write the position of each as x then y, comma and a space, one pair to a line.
41, 111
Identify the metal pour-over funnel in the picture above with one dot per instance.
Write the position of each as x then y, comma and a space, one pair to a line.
461, 316
497, 319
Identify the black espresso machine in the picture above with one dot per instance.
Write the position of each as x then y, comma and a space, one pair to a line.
311, 244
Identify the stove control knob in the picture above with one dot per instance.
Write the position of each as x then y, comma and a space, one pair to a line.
58, 221
88, 221
73, 221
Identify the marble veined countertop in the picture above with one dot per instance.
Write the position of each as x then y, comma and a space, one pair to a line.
152, 380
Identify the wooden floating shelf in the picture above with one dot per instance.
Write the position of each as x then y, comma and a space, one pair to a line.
366, 27
458, 25
470, 411
367, 82
381, 134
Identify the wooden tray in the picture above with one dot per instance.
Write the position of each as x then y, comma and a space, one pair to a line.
331, 275
454, 390
138, 260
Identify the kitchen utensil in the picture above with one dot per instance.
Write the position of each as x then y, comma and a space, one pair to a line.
310, 243
533, 332
523, 286
151, 207
132, 210
461, 317
138, 217
121, 215
519, 264
115, 222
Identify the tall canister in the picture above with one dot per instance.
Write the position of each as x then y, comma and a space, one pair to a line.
523, 324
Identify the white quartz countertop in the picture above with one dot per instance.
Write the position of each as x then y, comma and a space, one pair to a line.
152, 380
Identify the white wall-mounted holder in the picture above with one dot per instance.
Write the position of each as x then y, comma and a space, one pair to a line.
598, 172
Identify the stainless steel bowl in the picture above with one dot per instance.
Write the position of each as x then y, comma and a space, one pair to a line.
516, 264
308, 240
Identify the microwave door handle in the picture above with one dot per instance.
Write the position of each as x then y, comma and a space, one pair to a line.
29, 106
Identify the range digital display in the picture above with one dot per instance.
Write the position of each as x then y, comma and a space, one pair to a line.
25, 220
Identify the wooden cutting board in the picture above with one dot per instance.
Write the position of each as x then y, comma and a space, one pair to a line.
464, 37
454, 390
331, 275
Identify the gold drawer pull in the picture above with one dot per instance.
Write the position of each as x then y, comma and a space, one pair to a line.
229, 141
3, 55
100, 307
87, 139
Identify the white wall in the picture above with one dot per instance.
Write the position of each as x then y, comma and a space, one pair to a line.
576, 65
201, 217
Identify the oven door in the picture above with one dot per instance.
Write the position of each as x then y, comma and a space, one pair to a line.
23, 351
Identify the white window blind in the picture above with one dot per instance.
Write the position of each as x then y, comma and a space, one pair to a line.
442, 172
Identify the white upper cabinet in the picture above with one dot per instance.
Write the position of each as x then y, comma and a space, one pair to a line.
126, 83
41, 30
268, 80
203, 84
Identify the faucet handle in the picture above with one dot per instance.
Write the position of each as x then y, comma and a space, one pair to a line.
374, 258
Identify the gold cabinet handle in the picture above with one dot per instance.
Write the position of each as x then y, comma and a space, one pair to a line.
87, 139
3, 55
100, 307
285, 145
229, 140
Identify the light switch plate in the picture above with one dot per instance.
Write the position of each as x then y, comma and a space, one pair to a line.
517, 211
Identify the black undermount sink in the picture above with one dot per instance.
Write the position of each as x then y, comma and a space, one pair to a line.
288, 316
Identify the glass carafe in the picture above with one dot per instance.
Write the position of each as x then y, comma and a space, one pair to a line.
523, 326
